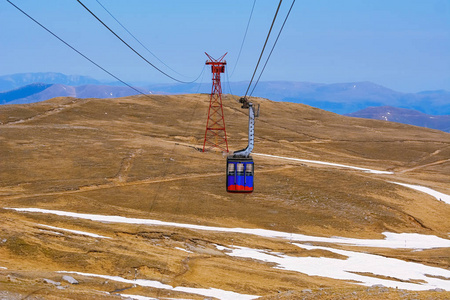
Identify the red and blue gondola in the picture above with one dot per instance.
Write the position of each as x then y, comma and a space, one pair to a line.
240, 171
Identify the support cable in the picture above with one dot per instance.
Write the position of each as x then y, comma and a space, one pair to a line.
137, 53
135, 38
265, 43
73, 48
273, 47
229, 86
201, 81
243, 40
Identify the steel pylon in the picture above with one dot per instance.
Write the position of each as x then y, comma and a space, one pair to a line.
215, 133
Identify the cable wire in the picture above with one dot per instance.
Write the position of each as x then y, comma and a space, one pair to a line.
243, 40
229, 86
137, 53
265, 43
136, 39
73, 48
273, 47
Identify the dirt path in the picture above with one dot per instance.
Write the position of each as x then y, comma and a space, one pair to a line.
47, 113
116, 182
424, 166
126, 165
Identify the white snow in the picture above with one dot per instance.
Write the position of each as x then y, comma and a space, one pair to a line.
211, 292
438, 195
50, 231
392, 240
326, 163
138, 297
178, 248
420, 277
75, 231
4, 268
355, 262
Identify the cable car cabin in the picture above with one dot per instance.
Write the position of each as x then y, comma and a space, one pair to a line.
240, 172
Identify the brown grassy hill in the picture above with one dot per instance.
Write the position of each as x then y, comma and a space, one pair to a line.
138, 157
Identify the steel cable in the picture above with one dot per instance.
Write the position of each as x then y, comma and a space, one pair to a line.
135, 38
125, 43
265, 43
74, 49
243, 40
273, 47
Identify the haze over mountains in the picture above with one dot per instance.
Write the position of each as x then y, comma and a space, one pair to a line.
38, 92
341, 98
405, 116
14, 81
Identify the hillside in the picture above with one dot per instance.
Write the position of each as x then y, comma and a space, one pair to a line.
116, 194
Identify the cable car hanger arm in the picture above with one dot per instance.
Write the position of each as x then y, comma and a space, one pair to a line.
251, 128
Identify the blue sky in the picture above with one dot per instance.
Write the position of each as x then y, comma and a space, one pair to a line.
401, 44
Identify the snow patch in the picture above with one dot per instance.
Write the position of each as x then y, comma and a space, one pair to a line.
211, 292
49, 231
137, 297
438, 195
327, 164
366, 269
74, 231
354, 267
178, 248
392, 240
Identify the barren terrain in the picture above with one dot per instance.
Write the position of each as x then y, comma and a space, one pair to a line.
68, 165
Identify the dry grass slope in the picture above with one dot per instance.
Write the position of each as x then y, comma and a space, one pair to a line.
138, 157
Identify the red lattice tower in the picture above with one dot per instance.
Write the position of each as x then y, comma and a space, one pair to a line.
215, 134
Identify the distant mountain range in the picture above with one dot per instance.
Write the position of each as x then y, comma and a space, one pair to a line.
341, 98
405, 116
40, 92
14, 81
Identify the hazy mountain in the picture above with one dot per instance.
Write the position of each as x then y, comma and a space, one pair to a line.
23, 92
405, 116
14, 81
345, 98
341, 98
41, 92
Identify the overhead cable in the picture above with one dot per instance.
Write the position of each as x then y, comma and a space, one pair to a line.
243, 40
135, 38
273, 47
265, 43
137, 53
73, 48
